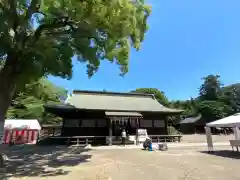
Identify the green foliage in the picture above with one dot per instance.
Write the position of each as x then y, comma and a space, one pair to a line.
212, 110
28, 104
231, 97
159, 95
211, 88
215, 101
189, 106
41, 37
172, 130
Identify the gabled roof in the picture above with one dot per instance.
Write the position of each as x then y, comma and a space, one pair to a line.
191, 119
113, 101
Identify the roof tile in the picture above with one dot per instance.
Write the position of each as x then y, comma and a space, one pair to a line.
111, 101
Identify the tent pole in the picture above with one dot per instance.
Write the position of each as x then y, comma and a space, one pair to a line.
236, 132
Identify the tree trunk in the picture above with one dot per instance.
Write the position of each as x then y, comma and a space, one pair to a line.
7, 89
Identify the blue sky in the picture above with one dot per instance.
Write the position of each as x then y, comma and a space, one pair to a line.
187, 40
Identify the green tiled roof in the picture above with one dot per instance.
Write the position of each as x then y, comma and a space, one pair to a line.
190, 120
111, 101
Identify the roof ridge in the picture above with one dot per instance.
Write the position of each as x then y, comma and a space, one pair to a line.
113, 93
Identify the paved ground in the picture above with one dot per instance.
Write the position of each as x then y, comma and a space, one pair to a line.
65, 163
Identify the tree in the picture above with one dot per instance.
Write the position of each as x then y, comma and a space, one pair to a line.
159, 95
231, 97
39, 38
28, 104
211, 88
212, 110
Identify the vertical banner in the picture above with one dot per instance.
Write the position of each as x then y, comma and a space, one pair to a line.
209, 138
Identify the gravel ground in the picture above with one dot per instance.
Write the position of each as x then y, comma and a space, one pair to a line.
65, 163
198, 138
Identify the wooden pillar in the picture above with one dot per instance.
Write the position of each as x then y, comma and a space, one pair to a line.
166, 125
53, 131
62, 128
137, 127
110, 132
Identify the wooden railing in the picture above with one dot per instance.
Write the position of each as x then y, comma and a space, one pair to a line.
165, 138
77, 139
85, 140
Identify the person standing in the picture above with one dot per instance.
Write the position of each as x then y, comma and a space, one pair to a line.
124, 136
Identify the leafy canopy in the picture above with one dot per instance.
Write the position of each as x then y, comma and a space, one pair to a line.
28, 104
159, 95
211, 88
40, 37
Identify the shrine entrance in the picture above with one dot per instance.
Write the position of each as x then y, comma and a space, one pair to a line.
118, 123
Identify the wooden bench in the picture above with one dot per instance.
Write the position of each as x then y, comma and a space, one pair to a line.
166, 138
235, 143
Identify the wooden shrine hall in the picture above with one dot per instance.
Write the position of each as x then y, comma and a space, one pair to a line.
103, 115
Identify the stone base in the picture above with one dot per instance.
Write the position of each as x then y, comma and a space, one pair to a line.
163, 147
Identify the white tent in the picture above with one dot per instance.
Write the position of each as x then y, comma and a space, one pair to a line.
22, 124
27, 130
230, 122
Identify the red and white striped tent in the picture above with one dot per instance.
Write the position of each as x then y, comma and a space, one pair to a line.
21, 131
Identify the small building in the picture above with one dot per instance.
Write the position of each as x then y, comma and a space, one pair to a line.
104, 114
192, 125
21, 131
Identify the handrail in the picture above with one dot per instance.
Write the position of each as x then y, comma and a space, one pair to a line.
76, 137
166, 135
166, 138
159, 138
87, 139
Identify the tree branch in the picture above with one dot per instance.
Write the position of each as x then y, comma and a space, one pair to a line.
42, 27
57, 23
13, 12
60, 23
34, 7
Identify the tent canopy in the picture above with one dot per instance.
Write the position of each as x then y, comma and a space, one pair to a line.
230, 121
22, 124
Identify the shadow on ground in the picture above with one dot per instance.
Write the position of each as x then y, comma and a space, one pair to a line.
224, 153
43, 161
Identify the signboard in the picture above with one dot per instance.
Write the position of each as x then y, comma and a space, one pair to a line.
142, 135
